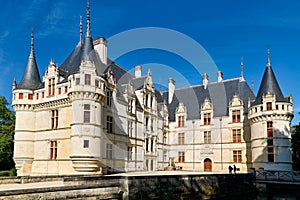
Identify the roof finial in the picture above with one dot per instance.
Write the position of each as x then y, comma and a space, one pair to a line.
80, 26
32, 41
242, 67
269, 57
88, 23
252, 86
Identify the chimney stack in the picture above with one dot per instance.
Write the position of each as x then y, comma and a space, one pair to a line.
220, 76
100, 45
171, 89
138, 71
205, 80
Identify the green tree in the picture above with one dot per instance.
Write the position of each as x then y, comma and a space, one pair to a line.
7, 128
296, 146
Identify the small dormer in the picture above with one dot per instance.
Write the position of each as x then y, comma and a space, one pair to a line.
181, 114
165, 114
51, 78
149, 92
236, 109
130, 98
269, 102
206, 112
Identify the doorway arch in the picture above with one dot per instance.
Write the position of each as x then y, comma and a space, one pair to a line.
207, 165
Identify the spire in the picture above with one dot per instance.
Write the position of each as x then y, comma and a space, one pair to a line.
31, 78
32, 41
269, 84
80, 27
88, 19
88, 41
242, 67
269, 57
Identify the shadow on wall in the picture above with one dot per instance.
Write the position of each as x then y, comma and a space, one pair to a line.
276, 150
115, 145
247, 139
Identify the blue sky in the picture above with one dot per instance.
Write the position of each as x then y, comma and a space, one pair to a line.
228, 30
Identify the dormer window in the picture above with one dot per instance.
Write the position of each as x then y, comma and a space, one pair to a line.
207, 118
87, 79
181, 121
236, 116
51, 87
269, 105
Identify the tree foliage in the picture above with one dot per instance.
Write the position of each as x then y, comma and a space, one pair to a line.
296, 146
7, 128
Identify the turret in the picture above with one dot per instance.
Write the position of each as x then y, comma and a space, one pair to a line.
88, 95
270, 115
25, 116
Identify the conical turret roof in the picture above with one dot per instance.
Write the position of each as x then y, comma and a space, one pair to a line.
31, 77
83, 51
269, 84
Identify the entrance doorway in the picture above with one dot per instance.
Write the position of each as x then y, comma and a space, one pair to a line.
207, 165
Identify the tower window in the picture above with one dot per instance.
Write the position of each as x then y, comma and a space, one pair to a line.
20, 95
77, 81
87, 79
207, 119
236, 116
86, 143
270, 154
30, 96
269, 105
53, 150
270, 129
86, 113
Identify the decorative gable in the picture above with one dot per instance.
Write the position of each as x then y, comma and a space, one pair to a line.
181, 109
207, 105
236, 101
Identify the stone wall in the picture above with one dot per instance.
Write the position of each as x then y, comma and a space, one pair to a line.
133, 187
190, 186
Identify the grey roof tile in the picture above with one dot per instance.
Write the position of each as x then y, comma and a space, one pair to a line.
31, 78
270, 85
219, 93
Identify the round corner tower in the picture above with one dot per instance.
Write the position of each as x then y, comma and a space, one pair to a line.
270, 117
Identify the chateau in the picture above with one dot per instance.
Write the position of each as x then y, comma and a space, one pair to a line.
91, 116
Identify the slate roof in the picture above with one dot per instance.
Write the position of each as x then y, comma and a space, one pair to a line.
270, 85
82, 52
31, 78
219, 93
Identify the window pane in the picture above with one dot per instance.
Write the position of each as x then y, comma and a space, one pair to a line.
87, 80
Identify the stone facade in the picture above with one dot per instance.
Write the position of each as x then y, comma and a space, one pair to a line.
90, 116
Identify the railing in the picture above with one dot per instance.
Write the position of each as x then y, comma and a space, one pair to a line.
269, 175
